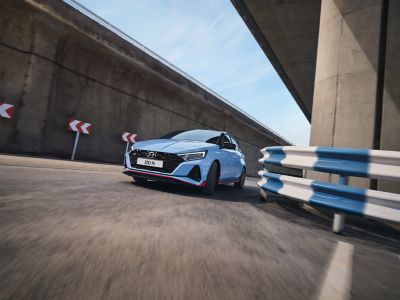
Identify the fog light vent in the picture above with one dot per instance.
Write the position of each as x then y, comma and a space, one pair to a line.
195, 173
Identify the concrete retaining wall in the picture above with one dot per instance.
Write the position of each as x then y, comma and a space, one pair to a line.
56, 64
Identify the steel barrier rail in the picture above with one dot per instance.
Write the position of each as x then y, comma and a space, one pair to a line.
347, 199
376, 164
341, 198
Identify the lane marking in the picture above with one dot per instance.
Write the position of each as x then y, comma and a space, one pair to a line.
337, 283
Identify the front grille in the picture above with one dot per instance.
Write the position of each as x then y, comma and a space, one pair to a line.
171, 161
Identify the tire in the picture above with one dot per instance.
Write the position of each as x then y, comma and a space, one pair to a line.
139, 180
242, 179
211, 181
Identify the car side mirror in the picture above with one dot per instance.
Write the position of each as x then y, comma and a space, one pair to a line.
227, 145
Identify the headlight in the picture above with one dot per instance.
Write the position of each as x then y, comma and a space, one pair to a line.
193, 155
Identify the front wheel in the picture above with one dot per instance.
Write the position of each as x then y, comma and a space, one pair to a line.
242, 179
211, 180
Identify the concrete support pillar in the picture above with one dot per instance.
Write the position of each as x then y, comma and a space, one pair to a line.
346, 92
390, 129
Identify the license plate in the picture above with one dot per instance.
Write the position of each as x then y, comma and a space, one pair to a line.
150, 162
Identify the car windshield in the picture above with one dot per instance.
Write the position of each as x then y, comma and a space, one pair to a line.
208, 136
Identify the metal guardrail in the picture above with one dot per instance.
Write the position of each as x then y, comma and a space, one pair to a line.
84, 10
376, 164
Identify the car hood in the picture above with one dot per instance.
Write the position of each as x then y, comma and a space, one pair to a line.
172, 146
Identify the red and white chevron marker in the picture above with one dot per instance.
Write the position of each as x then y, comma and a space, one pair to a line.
6, 110
129, 137
79, 126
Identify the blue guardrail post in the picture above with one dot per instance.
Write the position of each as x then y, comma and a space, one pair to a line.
338, 218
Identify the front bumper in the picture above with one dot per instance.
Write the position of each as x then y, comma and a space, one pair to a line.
162, 177
179, 175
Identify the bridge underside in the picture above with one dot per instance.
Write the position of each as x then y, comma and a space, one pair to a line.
287, 32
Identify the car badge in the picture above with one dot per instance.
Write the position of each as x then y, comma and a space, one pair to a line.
151, 155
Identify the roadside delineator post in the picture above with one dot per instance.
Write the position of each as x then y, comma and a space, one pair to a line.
128, 138
338, 218
78, 127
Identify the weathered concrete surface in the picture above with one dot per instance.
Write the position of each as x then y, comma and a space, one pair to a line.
80, 234
390, 130
345, 94
56, 63
356, 96
346, 75
287, 32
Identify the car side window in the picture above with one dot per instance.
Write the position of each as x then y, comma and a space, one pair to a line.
213, 140
236, 143
225, 139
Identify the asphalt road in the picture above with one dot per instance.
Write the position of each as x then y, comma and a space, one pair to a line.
85, 231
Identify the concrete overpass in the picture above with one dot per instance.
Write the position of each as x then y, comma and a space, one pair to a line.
340, 61
287, 32
60, 61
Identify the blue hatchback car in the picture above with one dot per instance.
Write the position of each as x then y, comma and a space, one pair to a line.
201, 158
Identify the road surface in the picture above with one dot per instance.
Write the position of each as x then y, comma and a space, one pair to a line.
73, 230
